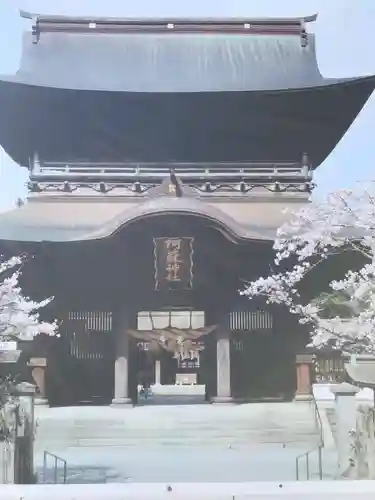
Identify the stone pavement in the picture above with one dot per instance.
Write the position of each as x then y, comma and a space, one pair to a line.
181, 443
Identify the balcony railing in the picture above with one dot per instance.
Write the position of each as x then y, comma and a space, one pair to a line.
137, 179
219, 171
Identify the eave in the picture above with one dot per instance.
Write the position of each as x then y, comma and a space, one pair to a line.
67, 125
73, 221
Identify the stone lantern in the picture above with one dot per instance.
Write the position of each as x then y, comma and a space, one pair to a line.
361, 369
38, 368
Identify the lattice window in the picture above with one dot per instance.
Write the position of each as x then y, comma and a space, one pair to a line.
93, 321
84, 334
250, 320
85, 347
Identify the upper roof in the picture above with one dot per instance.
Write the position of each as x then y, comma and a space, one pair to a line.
187, 90
175, 55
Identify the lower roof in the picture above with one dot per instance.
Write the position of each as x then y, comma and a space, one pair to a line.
68, 221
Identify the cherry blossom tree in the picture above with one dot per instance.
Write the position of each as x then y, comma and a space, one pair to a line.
344, 222
19, 315
19, 320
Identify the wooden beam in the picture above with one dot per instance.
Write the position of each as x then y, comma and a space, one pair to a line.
171, 334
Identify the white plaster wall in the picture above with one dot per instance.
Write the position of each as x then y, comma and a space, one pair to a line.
324, 490
323, 394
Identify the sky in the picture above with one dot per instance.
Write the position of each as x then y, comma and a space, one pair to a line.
345, 47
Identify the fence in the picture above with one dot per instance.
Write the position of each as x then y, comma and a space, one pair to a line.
306, 459
329, 367
57, 473
313, 453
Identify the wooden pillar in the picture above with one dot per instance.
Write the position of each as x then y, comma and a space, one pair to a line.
303, 373
121, 389
224, 393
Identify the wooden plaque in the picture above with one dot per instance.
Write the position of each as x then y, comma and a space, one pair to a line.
173, 263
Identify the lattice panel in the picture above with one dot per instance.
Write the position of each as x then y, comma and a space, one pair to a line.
250, 320
85, 348
93, 321
85, 337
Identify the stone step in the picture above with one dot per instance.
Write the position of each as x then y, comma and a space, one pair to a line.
168, 426
146, 433
180, 433
174, 426
165, 439
160, 443
98, 427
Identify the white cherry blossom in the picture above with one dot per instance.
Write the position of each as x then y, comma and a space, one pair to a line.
19, 315
344, 221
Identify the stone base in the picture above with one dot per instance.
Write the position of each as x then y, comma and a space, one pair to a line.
121, 402
222, 400
303, 397
41, 402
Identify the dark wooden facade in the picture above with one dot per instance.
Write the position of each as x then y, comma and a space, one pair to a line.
94, 281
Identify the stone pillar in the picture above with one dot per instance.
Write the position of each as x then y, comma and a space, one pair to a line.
24, 444
121, 392
38, 371
346, 409
224, 393
157, 372
303, 372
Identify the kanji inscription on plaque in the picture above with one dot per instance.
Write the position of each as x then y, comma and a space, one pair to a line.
173, 262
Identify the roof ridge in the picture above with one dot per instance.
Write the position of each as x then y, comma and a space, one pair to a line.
52, 18
70, 24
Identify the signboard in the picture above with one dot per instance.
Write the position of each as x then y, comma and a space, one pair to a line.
143, 346
8, 346
173, 263
9, 356
186, 379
